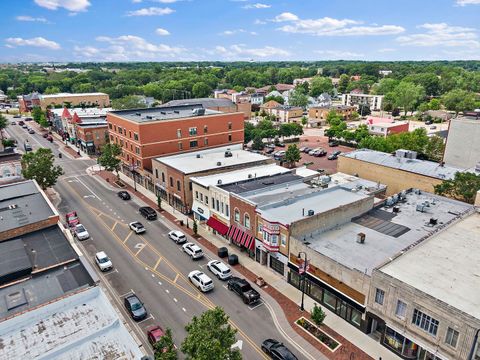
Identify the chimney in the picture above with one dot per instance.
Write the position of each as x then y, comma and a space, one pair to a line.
361, 238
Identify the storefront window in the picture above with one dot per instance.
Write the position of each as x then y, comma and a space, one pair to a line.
316, 292
294, 279
356, 317
329, 300
394, 340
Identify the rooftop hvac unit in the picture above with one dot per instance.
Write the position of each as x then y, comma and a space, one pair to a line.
411, 154
477, 167
420, 208
402, 195
389, 201
401, 153
325, 179
361, 238
228, 153
426, 203
433, 221
250, 176
163, 112
396, 209
176, 111
198, 111
417, 191
138, 113
395, 198
149, 117
198, 156
310, 212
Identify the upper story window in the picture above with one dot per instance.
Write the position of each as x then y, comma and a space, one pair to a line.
163, 177
179, 133
246, 221
451, 337
179, 187
229, 125
120, 131
401, 309
193, 143
205, 129
379, 296
156, 173
110, 126
425, 322
237, 215
283, 239
129, 134
171, 181
135, 136
192, 131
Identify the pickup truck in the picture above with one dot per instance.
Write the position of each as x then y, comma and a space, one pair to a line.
244, 290
72, 219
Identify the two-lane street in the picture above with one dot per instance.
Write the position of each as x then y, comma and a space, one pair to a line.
150, 265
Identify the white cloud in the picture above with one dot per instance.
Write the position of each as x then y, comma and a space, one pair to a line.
468, 2
162, 32
259, 22
442, 34
240, 51
386, 50
328, 26
70, 5
257, 6
338, 54
237, 31
151, 11
30, 18
157, 1
35, 42
136, 1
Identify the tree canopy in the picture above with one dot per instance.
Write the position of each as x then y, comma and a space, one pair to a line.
463, 187
292, 155
39, 165
109, 157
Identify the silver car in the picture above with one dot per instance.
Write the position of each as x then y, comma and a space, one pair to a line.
81, 232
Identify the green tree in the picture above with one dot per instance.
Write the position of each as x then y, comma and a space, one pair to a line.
165, 349
201, 90
459, 100
343, 83
304, 120
39, 165
109, 158
159, 202
249, 132
210, 337
434, 148
128, 102
407, 95
3, 124
37, 113
257, 143
463, 187
318, 315
434, 104
298, 98
195, 227
321, 85
364, 110
52, 90
384, 86
292, 155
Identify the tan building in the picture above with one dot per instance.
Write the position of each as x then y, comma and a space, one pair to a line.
321, 112
269, 105
286, 114
399, 172
27, 102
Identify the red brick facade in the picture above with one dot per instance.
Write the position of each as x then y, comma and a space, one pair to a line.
244, 208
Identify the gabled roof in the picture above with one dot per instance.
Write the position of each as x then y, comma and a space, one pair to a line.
66, 114
76, 119
271, 104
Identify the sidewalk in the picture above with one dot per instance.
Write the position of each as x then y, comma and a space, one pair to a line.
355, 344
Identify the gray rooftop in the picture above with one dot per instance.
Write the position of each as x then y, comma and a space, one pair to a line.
80, 326
260, 183
387, 233
163, 113
423, 167
212, 159
445, 266
207, 103
22, 204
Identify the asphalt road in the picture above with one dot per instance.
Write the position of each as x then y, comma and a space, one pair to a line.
149, 265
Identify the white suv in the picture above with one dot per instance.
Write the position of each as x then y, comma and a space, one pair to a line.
219, 269
103, 261
137, 227
193, 250
80, 232
177, 236
201, 281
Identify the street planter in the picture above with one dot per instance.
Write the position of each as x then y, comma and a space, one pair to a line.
318, 334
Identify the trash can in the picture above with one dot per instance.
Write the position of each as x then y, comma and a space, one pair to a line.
233, 259
222, 252
181, 222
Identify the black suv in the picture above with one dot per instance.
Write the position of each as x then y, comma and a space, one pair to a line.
148, 213
277, 350
124, 195
244, 290
135, 307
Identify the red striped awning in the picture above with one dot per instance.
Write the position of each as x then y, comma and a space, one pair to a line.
241, 238
217, 225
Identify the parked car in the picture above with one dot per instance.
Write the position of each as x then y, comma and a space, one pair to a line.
24, 126
307, 149
201, 280
21, 123
17, 116
81, 232
135, 307
243, 289
154, 334
50, 138
13, 123
177, 236
72, 219
279, 155
45, 135
280, 144
302, 149
137, 226
103, 261
148, 213
319, 153
124, 195
193, 250
27, 146
332, 156
311, 152
269, 150
333, 143
28, 119
428, 122
219, 269
276, 350
433, 127
270, 146
337, 152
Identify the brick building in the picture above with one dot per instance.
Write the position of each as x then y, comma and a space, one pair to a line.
145, 134
91, 136
27, 102
318, 114
226, 105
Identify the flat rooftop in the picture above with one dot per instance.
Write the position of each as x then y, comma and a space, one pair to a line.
423, 167
254, 186
80, 326
205, 102
387, 233
445, 266
84, 112
211, 159
163, 113
22, 204
49, 96
240, 175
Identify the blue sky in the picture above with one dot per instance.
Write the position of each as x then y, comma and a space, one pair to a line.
169, 30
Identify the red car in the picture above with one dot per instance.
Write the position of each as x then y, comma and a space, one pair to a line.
50, 138
72, 219
154, 334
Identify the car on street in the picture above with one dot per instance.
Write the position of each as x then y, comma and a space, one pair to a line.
124, 195
333, 143
45, 135
269, 151
279, 155
433, 127
243, 289
201, 280
319, 153
72, 219
219, 269
307, 149
27, 146
13, 123
24, 126
332, 156
428, 122
21, 123
177, 236
276, 350
280, 144
103, 261
148, 213
135, 307
193, 250
28, 119
50, 138
81, 232
302, 149
137, 227
17, 116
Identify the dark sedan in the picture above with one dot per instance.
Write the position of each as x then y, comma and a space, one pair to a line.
135, 307
276, 350
124, 195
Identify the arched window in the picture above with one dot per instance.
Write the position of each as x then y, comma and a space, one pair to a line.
237, 216
246, 221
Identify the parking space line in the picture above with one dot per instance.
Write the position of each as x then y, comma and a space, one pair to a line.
184, 310
111, 272
260, 303
175, 299
128, 236
128, 293
157, 263
148, 318
113, 227
176, 278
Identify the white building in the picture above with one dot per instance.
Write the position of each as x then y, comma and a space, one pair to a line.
463, 142
374, 102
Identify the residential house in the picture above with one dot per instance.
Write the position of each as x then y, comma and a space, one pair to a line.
374, 102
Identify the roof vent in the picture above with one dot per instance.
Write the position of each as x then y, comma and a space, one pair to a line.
433, 221
150, 117
176, 111
420, 208
310, 212
219, 163
138, 113
250, 176
198, 156
361, 238
163, 112
219, 181
198, 111
228, 153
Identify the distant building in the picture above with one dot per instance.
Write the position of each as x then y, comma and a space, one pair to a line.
27, 102
374, 102
3, 97
10, 165
384, 72
278, 87
269, 105
400, 171
317, 115
463, 142
286, 113
385, 129
302, 80
220, 104
257, 99
323, 100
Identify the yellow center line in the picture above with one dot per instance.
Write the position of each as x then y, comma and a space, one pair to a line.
128, 236
157, 263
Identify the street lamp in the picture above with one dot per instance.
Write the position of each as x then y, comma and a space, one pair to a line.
474, 345
302, 269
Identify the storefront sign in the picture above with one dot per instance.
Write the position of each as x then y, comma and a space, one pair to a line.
200, 210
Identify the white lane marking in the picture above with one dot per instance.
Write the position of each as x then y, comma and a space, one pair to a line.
167, 291
148, 318
111, 272
201, 266
259, 303
225, 286
81, 182
175, 299
184, 310
88, 196
128, 293
153, 275
159, 283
